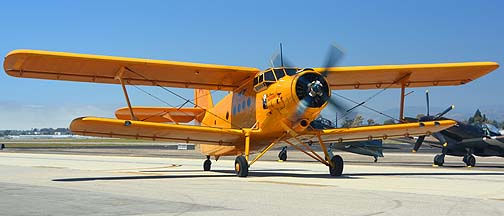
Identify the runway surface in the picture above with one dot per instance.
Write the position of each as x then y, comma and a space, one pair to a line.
63, 184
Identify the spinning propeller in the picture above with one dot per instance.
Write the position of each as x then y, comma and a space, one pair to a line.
313, 90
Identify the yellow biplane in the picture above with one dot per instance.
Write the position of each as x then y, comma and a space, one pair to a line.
263, 108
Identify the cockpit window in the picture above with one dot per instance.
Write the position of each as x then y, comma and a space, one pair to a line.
494, 131
291, 71
268, 76
279, 73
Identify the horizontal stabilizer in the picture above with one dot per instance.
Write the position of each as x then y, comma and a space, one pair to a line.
160, 114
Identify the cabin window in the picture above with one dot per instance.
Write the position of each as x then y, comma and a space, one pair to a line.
279, 73
256, 80
268, 76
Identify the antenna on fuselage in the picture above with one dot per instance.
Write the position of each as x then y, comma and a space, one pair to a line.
281, 55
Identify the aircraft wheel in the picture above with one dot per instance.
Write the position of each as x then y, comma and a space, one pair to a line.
241, 166
470, 160
207, 165
439, 160
337, 169
282, 155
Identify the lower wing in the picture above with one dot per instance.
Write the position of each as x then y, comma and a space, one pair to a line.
377, 132
105, 127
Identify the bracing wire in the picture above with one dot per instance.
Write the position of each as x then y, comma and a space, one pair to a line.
179, 96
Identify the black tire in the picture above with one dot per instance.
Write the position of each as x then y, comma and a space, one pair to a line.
282, 155
439, 160
337, 169
470, 160
207, 165
241, 166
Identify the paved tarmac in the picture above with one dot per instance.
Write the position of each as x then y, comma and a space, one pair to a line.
84, 184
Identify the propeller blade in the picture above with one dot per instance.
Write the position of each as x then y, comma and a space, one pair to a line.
428, 105
334, 56
418, 143
439, 115
301, 107
279, 60
340, 106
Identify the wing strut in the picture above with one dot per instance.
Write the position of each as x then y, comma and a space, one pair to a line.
119, 77
403, 82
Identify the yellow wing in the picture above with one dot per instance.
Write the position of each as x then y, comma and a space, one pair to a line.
104, 69
160, 114
378, 131
413, 75
104, 127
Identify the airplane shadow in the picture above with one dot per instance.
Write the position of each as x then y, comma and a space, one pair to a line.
264, 173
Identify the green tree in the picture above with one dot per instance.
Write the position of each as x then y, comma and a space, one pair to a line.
371, 122
357, 121
347, 123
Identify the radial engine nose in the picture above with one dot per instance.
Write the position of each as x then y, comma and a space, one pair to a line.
312, 89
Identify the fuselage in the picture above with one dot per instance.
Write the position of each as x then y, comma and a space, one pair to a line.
273, 101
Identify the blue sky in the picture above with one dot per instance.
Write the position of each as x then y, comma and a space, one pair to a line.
247, 34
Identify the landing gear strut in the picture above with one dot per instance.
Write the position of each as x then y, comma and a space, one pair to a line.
282, 155
207, 164
439, 159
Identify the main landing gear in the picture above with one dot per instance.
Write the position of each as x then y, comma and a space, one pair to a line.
207, 164
469, 160
439, 159
282, 155
336, 166
241, 166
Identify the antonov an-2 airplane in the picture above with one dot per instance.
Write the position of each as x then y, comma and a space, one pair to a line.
263, 108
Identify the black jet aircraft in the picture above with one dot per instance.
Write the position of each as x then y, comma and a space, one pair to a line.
466, 140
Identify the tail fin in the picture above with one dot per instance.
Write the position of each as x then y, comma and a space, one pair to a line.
203, 98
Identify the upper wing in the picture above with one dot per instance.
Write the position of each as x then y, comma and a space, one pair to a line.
104, 127
378, 131
160, 114
413, 75
104, 69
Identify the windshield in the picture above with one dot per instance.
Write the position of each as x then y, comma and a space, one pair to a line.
279, 73
291, 71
